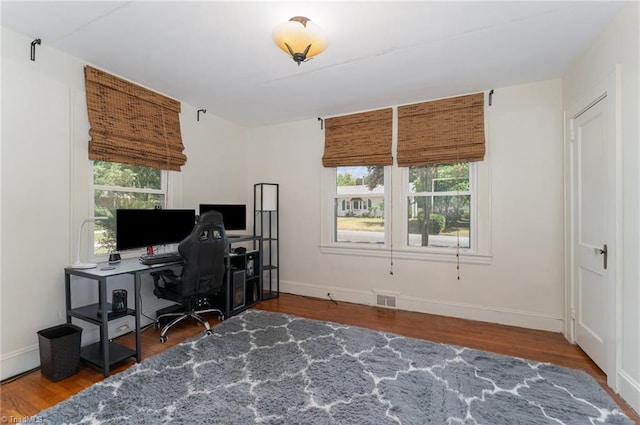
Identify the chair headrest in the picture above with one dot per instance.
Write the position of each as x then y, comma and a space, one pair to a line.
213, 217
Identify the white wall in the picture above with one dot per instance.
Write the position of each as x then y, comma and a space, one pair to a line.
35, 195
216, 165
45, 191
619, 44
523, 285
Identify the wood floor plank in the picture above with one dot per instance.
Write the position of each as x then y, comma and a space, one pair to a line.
29, 394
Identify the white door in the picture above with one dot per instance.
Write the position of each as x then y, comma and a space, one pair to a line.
591, 223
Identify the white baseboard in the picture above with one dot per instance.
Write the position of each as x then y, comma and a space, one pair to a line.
27, 358
521, 318
629, 390
19, 361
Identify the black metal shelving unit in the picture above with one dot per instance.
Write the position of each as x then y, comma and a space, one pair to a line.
93, 353
266, 224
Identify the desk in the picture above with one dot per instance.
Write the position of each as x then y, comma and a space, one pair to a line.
104, 353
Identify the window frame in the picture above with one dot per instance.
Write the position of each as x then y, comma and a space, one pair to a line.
395, 207
473, 210
328, 222
165, 176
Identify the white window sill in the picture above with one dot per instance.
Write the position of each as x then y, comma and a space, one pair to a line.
436, 255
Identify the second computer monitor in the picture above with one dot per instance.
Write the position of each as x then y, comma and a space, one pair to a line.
234, 216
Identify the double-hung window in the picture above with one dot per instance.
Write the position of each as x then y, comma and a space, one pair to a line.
359, 205
432, 200
440, 206
119, 186
357, 156
131, 125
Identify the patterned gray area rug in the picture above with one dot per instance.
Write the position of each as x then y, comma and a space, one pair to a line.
270, 368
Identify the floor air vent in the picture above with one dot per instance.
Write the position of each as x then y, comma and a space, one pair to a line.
388, 301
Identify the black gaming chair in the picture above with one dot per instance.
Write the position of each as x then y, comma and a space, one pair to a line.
202, 275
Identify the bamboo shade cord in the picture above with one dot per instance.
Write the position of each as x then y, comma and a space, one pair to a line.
358, 139
132, 125
442, 131
458, 233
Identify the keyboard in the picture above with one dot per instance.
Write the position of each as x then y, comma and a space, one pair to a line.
165, 257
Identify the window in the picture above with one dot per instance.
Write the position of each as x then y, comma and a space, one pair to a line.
356, 223
456, 193
432, 203
119, 186
439, 206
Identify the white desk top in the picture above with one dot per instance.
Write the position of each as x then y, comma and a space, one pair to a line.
128, 265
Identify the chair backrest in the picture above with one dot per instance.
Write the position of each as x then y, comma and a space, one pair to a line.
204, 253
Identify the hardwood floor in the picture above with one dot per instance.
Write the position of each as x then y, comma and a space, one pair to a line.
29, 394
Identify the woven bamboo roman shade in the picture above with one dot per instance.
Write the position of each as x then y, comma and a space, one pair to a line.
441, 132
132, 125
358, 139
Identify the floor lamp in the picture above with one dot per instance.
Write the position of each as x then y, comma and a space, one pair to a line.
78, 264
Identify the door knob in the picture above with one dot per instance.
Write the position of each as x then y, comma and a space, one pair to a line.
604, 252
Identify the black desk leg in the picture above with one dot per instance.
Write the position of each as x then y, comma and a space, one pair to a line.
67, 291
138, 304
104, 324
227, 292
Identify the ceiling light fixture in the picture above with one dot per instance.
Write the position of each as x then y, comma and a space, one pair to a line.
300, 38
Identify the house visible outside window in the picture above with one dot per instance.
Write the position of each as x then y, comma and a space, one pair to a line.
119, 186
439, 206
359, 224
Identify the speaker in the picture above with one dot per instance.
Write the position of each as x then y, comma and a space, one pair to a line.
238, 289
119, 300
250, 268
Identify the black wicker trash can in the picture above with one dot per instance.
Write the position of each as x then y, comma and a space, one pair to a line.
60, 351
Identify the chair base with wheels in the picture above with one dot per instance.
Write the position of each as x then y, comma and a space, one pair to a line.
194, 307
203, 273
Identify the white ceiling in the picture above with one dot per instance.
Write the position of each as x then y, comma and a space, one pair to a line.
220, 55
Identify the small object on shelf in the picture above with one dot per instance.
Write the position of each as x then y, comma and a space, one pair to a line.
119, 300
249, 267
266, 199
111, 312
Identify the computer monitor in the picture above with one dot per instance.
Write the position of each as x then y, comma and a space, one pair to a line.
234, 216
143, 228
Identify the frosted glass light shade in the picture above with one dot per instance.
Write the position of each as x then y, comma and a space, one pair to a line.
300, 38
